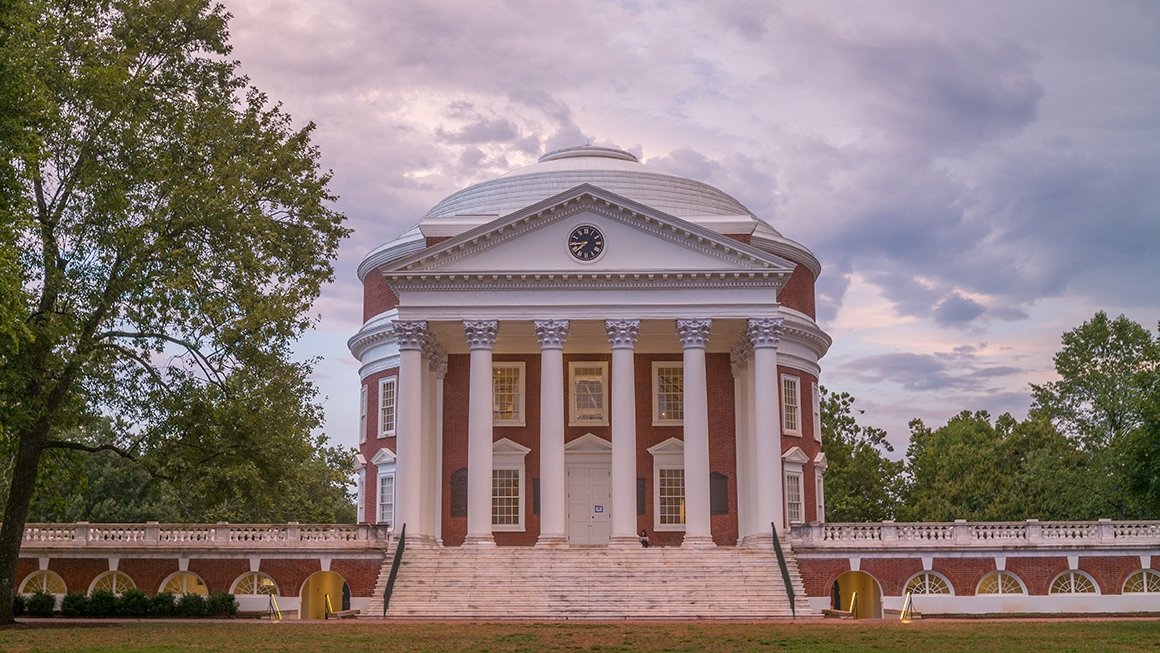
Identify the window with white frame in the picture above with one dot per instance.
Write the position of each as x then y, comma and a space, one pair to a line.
254, 583
508, 482
1000, 582
671, 506
793, 497
361, 488
386, 498
790, 405
184, 582
1073, 582
362, 415
1145, 581
817, 408
928, 582
388, 407
113, 581
588, 394
668, 391
507, 384
820, 495
45, 581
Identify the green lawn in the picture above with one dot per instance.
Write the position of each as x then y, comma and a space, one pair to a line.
971, 636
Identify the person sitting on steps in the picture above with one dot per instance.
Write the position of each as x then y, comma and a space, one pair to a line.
644, 538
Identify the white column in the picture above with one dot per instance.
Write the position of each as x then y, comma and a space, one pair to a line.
739, 365
439, 367
410, 335
622, 335
553, 508
432, 351
765, 335
694, 335
480, 338
752, 469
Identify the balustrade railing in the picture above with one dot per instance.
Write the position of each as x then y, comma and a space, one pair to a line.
219, 535
961, 533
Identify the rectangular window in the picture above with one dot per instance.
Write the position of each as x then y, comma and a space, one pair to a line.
671, 507
362, 415
793, 497
588, 396
387, 499
820, 495
387, 407
360, 512
817, 396
790, 406
668, 380
506, 512
507, 384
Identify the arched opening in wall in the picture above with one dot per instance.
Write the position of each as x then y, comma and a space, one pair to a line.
868, 603
315, 590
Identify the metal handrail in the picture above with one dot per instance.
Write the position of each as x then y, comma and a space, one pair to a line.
394, 569
784, 571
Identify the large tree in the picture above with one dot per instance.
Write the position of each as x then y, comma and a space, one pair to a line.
862, 481
171, 229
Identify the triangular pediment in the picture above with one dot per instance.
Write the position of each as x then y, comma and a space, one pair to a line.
383, 457
505, 446
670, 446
795, 455
635, 239
588, 443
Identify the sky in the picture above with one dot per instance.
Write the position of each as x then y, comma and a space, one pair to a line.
976, 177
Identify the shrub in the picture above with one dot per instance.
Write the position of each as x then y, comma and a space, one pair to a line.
222, 604
40, 604
18, 605
191, 605
102, 603
133, 603
74, 604
162, 605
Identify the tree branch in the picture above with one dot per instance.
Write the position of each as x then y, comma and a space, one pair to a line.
77, 446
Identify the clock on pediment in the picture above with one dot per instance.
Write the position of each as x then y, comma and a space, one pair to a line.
586, 243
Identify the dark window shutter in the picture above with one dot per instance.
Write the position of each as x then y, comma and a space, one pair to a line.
718, 494
459, 492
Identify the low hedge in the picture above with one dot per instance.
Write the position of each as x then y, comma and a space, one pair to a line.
133, 604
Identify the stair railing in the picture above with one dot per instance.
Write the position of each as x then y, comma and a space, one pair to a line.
390, 588
784, 571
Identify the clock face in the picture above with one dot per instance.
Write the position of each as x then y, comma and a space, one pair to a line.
586, 243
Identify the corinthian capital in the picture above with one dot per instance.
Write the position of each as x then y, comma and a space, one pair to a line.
480, 333
552, 333
764, 332
693, 333
622, 333
410, 334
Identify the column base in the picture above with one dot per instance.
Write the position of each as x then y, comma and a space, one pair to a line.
624, 542
551, 541
698, 542
480, 541
756, 541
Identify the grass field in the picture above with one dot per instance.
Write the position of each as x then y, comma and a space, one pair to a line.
1056, 636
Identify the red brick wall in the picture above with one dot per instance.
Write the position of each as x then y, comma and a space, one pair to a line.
149, 573
741, 238
435, 240
290, 573
455, 390
964, 573
219, 573
1038, 572
527, 435
798, 291
360, 574
892, 573
78, 573
818, 576
25, 566
1111, 571
805, 441
377, 295
373, 443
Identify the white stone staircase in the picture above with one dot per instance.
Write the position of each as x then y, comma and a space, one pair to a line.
585, 583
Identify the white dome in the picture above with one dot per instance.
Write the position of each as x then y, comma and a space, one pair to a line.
613, 170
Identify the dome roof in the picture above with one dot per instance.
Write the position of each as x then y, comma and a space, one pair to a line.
614, 170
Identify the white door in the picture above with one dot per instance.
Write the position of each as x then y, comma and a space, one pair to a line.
589, 505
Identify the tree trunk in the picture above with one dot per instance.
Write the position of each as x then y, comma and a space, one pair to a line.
20, 491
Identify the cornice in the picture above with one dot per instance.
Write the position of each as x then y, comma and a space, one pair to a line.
419, 281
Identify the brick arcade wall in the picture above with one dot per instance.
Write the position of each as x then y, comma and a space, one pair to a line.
79, 573
819, 574
891, 573
1111, 571
1037, 572
219, 574
149, 573
360, 574
964, 573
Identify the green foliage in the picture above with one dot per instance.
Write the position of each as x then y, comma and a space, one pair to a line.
192, 605
133, 603
102, 603
74, 604
40, 604
862, 482
221, 604
163, 605
18, 602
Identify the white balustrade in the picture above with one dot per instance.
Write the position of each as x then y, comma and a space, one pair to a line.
1102, 534
202, 537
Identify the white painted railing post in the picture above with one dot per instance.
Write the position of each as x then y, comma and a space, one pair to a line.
1034, 532
293, 533
962, 532
1107, 533
81, 533
221, 532
889, 531
152, 532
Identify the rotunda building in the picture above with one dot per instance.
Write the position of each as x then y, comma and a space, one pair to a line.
586, 349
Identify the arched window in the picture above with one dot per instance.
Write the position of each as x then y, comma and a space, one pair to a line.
1145, 581
43, 581
928, 582
255, 582
1000, 582
1073, 582
112, 581
184, 582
